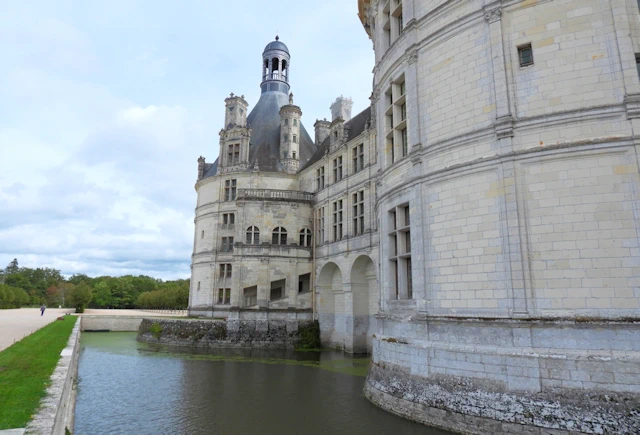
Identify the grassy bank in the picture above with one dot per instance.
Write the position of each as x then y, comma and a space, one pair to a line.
25, 369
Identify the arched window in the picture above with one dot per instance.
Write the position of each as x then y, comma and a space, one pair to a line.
275, 68
294, 154
253, 236
279, 236
305, 237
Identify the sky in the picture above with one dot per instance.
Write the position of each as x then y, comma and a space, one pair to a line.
105, 107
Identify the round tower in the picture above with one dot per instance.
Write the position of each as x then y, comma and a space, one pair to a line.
275, 67
290, 136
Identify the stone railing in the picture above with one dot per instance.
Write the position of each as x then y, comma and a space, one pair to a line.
274, 195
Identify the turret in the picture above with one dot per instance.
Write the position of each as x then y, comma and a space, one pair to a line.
341, 108
323, 128
275, 67
234, 137
290, 115
236, 113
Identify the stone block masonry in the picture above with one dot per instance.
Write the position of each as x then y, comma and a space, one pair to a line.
267, 334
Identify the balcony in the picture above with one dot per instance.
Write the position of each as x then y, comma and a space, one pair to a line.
273, 195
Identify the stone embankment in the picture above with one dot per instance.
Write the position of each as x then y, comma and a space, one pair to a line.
274, 334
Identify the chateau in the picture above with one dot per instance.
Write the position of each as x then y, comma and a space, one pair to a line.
475, 229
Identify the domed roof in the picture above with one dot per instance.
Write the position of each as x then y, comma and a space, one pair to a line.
276, 45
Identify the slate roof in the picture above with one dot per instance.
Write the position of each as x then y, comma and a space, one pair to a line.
355, 127
264, 145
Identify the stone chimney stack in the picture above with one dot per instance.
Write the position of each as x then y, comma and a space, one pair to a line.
341, 108
322, 130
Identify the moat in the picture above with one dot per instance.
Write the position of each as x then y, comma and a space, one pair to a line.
131, 387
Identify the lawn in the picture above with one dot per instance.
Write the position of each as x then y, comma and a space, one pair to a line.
25, 369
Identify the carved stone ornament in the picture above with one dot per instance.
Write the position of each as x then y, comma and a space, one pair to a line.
632, 101
504, 127
493, 15
413, 57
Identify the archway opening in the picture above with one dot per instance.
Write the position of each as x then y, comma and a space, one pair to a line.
329, 282
365, 294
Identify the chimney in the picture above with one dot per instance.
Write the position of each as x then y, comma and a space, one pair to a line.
322, 130
341, 108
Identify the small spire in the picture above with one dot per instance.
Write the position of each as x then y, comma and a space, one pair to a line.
291, 98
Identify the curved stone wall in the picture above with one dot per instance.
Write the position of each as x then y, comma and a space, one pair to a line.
508, 213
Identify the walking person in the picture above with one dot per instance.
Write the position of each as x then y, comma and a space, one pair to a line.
42, 308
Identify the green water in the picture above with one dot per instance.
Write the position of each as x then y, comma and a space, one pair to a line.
126, 387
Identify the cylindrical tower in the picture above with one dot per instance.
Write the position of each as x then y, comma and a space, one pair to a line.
509, 216
275, 67
290, 136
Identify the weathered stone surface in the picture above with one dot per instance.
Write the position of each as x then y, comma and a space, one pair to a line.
456, 403
220, 333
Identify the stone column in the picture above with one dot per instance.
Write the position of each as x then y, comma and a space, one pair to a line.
504, 119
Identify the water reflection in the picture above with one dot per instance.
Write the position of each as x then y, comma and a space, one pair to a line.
128, 387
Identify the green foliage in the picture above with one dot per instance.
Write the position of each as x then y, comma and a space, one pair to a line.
80, 296
12, 297
156, 330
48, 286
309, 336
26, 369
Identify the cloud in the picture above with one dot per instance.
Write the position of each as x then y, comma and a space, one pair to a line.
107, 105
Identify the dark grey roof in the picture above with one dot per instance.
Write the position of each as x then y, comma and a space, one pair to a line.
276, 45
355, 127
264, 145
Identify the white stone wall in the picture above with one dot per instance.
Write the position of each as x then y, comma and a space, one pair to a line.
521, 181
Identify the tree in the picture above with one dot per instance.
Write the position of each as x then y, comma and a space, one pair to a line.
12, 267
80, 296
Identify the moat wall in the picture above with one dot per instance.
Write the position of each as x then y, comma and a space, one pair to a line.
268, 334
505, 377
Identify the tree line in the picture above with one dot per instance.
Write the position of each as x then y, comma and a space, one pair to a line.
23, 286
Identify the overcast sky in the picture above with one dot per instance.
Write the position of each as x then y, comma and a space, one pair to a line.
105, 107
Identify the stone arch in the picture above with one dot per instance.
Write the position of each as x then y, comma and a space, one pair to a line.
364, 293
329, 282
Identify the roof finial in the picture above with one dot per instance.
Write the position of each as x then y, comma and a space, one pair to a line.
277, 38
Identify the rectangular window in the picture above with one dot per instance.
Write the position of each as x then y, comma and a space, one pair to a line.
320, 178
295, 122
337, 220
358, 213
225, 270
202, 235
525, 54
358, 158
400, 253
227, 244
233, 154
320, 219
295, 138
286, 121
638, 60
228, 218
405, 142
230, 190
277, 289
396, 131
224, 296
337, 169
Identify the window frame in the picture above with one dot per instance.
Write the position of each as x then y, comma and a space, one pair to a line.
358, 212
521, 49
279, 236
338, 220
252, 235
305, 238
230, 190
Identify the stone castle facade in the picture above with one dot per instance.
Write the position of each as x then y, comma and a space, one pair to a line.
476, 228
